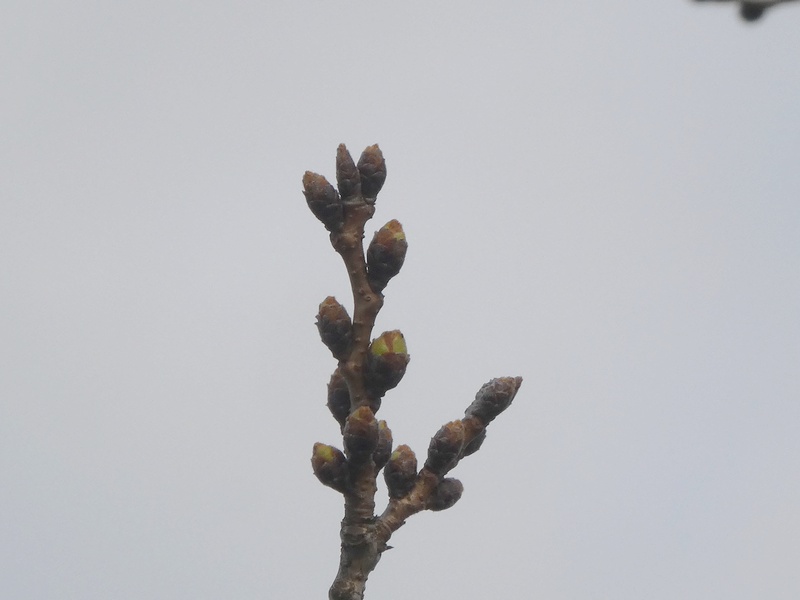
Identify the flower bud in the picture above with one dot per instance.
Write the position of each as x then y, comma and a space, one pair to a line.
323, 200
372, 168
445, 447
335, 327
347, 176
386, 254
338, 398
384, 448
360, 434
400, 472
475, 444
493, 398
386, 362
330, 466
446, 494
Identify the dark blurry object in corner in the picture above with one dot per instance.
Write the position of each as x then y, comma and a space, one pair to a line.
751, 10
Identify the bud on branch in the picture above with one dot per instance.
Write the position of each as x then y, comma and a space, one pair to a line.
360, 434
445, 448
347, 176
446, 494
493, 398
330, 466
386, 362
372, 168
386, 254
335, 328
338, 398
400, 472
384, 448
323, 201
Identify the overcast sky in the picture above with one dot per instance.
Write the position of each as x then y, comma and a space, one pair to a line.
600, 196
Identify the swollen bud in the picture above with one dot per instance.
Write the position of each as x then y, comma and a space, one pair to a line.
384, 448
335, 327
386, 362
445, 448
372, 168
493, 398
386, 254
447, 493
330, 466
347, 176
400, 472
475, 444
323, 200
360, 434
338, 398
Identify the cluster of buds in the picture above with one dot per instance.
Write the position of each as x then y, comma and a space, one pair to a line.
367, 370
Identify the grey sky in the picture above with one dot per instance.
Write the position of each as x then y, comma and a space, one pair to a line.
602, 197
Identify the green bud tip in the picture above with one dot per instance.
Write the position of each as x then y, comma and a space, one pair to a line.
390, 342
396, 229
386, 254
330, 466
400, 472
323, 452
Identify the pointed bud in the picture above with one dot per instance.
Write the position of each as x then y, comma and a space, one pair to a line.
347, 176
446, 494
360, 434
400, 472
386, 362
475, 444
330, 466
323, 200
493, 398
338, 398
386, 254
372, 168
335, 327
445, 447
384, 448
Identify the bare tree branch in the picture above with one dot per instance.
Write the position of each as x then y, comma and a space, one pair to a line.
366, 371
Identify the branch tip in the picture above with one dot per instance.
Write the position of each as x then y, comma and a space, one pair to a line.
493, 398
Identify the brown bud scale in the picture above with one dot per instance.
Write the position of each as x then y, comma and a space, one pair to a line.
372, 168
386, 254
445, 447
323, 200
335, 327
400, 472
493, 398
360, 433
